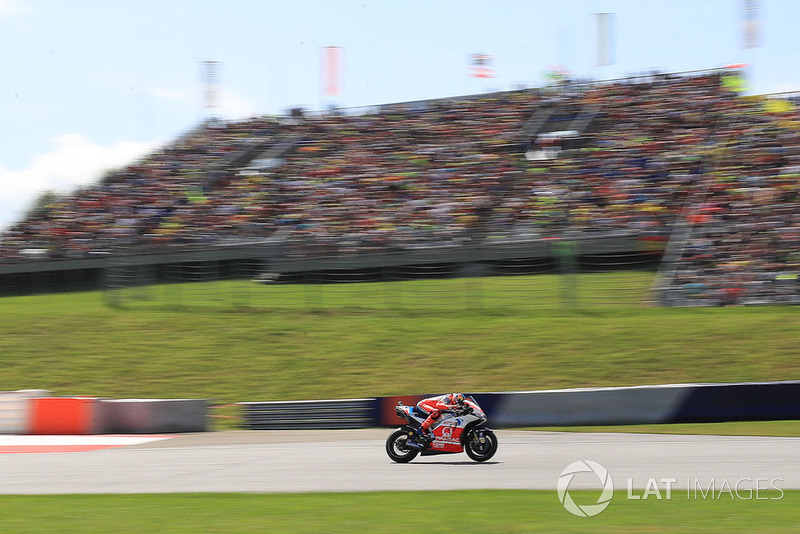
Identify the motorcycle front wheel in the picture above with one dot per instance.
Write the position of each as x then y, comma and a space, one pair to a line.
397, 449
481, 445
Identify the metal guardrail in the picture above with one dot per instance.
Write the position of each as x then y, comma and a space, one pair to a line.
322, 414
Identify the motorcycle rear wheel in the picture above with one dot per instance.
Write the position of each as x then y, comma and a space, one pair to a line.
478, 450
396, 447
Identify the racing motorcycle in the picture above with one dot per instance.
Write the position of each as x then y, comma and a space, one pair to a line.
459, 430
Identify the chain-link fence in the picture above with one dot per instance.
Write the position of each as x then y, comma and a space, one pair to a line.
559, 274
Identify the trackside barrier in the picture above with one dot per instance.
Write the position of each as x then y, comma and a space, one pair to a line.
284, 415
386, 406
62, 415
34, 412
15, 409
671, 403
151, 416
674, 403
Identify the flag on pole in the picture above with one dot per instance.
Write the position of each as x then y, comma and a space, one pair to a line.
603, 26
752, 23
331, 70
481, 66
210, 92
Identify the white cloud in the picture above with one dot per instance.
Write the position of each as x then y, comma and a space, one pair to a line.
75, 161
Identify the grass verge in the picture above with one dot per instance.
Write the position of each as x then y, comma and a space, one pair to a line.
743, 428
352, 345
508, 511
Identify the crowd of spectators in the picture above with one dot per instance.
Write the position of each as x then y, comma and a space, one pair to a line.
636, 168
454, 170
744, 245
159, 200
406, 174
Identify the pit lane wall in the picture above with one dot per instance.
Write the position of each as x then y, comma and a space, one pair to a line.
672, 403
35, 412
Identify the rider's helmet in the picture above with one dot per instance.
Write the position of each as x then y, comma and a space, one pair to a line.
459, 398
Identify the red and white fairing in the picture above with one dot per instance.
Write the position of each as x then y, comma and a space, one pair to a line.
447, 431
459, 428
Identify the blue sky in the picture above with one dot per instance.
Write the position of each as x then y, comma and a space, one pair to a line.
90, 85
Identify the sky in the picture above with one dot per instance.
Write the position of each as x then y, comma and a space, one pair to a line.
88, 86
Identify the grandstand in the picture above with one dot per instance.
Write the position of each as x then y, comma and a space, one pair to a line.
618, 167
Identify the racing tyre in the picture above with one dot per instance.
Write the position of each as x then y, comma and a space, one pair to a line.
481, 445
397, 449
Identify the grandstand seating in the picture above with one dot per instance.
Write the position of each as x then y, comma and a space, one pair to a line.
745, 228
650, 152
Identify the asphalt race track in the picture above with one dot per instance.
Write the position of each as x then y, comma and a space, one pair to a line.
355, 460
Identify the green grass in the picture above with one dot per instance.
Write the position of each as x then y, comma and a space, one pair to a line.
510, 293
744, 428
516, 337
434, 512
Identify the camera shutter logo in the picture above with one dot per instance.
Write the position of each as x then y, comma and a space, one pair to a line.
585, 466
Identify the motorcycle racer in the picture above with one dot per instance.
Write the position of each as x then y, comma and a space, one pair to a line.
459, 428
434, 406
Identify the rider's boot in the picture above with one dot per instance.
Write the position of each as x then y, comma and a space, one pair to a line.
420, 439
425, 436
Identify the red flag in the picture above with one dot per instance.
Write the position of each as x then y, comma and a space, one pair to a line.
332, 57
